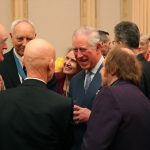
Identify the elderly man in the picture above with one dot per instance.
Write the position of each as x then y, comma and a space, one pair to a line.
22, 31
84, 85
120, 118
32, 116
105, 42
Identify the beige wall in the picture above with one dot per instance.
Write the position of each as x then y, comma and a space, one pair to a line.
6, 15
108, 14
55, 20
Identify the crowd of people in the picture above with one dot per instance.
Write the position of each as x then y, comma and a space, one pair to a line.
99, 99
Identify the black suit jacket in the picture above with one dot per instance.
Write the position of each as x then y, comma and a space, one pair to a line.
120, 120
8, 70
145, 81
34, 118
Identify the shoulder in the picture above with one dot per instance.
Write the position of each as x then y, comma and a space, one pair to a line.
120, 91
123, 93
8, 54
59, 98
7, 57
78, 76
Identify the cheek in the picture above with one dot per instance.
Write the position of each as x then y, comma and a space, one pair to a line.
64, 63
16, 43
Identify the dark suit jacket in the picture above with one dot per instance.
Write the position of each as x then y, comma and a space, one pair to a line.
77, 93
34, 118
120, 120
8, 70
145, 81
60, 80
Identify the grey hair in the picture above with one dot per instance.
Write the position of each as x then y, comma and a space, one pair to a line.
145, 37
18, 21
103, 35
90, 32
128, 33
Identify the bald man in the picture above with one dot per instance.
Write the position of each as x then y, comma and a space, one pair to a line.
33, 117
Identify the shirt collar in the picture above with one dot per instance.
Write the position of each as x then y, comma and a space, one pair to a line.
18, 56
35, 79
94, 70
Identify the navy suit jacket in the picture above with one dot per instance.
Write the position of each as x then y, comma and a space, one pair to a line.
80, 98
33, 117
120, 119
8, 70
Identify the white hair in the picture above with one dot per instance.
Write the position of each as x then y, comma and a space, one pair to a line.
18, 21
91, 33
144, 37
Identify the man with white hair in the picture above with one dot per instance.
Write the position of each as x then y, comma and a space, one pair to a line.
22, 31
85, 84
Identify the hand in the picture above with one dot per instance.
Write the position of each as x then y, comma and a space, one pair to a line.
81, 114
2, 87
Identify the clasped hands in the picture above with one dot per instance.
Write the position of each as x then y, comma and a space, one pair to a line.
81, 114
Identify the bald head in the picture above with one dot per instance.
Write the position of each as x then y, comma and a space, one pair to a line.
39, 56
3, 38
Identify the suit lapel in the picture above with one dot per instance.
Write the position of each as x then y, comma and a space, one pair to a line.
12, 69
93, 88
81, 93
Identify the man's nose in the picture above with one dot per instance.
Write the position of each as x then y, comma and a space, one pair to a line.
79, 54
25, 41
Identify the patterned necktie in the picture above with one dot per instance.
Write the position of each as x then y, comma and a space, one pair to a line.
88, 80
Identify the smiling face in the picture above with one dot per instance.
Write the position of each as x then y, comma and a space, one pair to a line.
143, 45
87, 56
70, 64
22, 34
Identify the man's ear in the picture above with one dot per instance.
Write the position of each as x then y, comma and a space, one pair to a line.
99, 45
51, 65
10, 35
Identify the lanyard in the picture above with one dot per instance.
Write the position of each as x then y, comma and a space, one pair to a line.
19, 67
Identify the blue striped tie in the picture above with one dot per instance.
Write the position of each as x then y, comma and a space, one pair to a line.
88, 80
